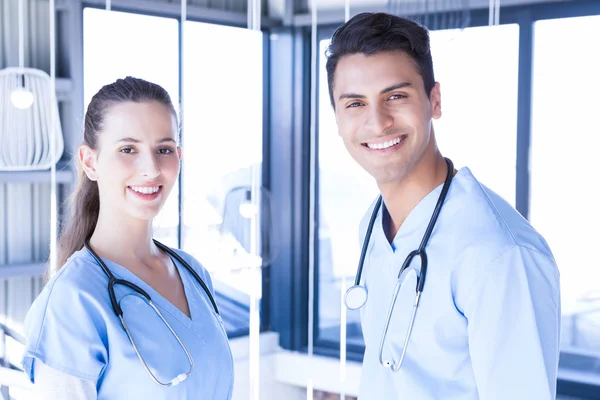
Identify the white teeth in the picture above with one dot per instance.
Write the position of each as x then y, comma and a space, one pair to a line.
145, 189
385, 145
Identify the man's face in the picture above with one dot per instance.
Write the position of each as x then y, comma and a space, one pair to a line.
383, 112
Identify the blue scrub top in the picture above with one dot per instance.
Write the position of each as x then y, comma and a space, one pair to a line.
488, 322
72, 328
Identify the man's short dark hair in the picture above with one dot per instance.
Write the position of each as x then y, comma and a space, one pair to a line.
371, 33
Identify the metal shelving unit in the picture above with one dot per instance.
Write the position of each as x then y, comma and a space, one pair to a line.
65, 177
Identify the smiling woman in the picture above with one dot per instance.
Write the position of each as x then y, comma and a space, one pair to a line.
140, 153
117, 290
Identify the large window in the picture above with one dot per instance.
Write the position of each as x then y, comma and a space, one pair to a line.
478, 72
141, 46
222, 160
478, 129
564, 169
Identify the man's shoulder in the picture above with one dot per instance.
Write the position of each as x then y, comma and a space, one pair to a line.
482, 219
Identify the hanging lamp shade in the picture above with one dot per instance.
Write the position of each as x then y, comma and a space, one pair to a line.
28, 108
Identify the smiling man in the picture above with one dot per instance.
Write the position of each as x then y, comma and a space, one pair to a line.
487, 323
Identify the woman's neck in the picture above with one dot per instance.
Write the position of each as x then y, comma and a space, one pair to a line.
123, 238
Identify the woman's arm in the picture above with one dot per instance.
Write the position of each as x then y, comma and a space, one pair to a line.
51, 384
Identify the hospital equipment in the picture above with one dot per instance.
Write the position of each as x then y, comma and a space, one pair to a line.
356, 296
119, 312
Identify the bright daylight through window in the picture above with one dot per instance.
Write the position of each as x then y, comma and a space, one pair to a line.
224, 160
564, 206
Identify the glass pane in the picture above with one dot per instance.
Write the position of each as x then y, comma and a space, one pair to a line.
108, 55
564, 150
222, 159
478, 130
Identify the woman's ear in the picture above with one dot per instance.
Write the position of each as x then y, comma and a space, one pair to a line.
87, 159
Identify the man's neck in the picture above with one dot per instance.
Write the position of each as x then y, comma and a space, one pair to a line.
401, 197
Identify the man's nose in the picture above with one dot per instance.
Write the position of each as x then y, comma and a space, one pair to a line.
379, 119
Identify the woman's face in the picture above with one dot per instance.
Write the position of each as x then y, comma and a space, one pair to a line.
137, 159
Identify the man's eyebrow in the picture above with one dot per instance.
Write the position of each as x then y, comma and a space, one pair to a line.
386, 90
400, 85
352, 96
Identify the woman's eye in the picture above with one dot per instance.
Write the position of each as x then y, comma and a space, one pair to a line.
127, 150
165, 150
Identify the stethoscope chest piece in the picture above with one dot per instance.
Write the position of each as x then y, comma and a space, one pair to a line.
356, 297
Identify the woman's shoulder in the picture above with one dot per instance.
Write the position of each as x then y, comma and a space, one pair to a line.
79, 276
78, 285
194, 264
68, 317
189, 258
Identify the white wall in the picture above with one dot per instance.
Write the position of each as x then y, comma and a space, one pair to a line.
270, 387
284, 374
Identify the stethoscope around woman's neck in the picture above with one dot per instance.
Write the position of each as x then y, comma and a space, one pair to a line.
113, 281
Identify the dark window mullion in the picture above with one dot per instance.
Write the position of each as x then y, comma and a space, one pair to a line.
523, 180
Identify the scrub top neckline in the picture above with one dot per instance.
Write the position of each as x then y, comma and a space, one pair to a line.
123, 273
414, 221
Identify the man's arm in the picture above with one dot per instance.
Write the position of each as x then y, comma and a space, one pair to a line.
514, 326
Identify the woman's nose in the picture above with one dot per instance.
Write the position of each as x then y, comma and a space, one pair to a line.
150, 167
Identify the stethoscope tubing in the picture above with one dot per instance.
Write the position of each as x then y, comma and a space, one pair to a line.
112, 280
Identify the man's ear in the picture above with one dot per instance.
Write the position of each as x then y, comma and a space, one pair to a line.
87, 160
435, 99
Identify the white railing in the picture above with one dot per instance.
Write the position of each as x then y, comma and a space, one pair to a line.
12, 380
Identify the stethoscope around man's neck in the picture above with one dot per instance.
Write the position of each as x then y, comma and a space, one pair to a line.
356, 296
